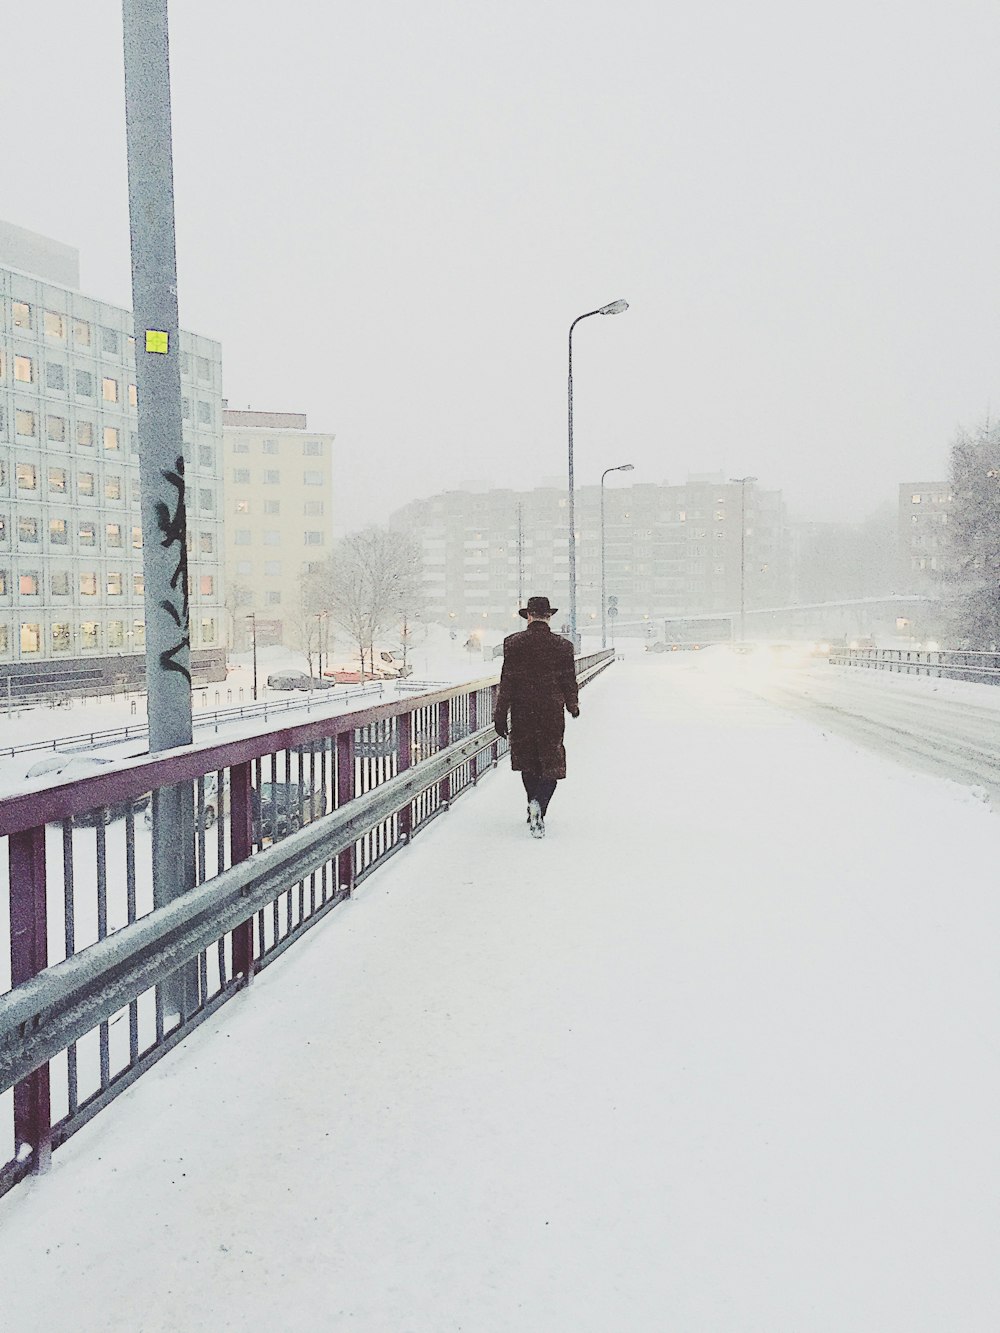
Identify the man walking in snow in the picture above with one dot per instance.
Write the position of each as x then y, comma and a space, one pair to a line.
537, 682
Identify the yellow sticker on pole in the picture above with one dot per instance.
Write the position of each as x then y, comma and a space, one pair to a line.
156, 341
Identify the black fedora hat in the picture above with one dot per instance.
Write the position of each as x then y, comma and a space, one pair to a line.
537, 606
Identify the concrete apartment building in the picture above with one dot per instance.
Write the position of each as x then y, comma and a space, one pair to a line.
923, 515
670, 550
279, 519
71, 578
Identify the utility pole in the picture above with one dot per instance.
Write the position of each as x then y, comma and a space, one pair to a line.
161, 454
520, 554
252, 617
742, 483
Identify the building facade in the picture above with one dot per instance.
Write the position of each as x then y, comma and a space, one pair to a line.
71, 577
923, 515
669, 551
279, 521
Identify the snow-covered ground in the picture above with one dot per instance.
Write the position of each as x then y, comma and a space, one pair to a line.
717, 1056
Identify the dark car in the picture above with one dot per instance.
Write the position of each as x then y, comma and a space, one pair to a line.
279, 808
297, 680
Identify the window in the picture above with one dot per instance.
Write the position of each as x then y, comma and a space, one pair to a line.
88, 534
241, 476
85, 483
3, 582
81, 333
242, 537
24, 422
55, 428
272, 506
27, 529
113, 534
241, 447
31, 639
242, 506
4, 640
112, 488
111, 440
55, 324
272, 568
185, 408
57, 480
116, 633
272, 538
85, 434
205, 413
27, 585
139, 633
204, 369
244, 567
314, 538
206, 456
138, 586
208, 631
137, 539
109, 390
269, 447
313, 508
60, 638
313, 448
90, 634
133, 401
272, 478
27, 477
85, 384
206, 543
206, 585
114, 585
206, 500
60, 583
24, 369
273, 597
55, 373
58, 532
915, 499
22, 315
110, 340
88, 584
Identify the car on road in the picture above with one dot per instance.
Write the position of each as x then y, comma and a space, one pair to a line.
297, 680
213, 806
280, 808
76, 766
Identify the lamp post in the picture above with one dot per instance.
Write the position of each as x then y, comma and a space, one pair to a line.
742, 483
614, 308
622, 467
252, 617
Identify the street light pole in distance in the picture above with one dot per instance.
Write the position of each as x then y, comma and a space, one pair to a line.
742, 483
622, 467
252, 617
613, 308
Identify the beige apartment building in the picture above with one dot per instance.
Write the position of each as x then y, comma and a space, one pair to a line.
278, 520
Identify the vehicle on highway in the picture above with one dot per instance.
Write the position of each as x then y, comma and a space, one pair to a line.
280, 808
75, 766
213, 806
297, 680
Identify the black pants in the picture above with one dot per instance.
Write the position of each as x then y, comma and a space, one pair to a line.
539, 789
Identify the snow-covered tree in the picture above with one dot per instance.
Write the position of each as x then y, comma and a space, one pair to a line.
972, 545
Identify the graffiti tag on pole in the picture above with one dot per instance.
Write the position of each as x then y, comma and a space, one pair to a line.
174, 530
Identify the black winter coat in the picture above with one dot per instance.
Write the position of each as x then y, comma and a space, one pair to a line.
537, 682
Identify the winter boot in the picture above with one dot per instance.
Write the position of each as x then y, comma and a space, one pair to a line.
536, 822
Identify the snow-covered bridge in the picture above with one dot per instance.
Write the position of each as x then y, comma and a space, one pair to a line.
720, 1054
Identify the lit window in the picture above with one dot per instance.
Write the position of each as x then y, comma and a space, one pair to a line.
138, 585
57, 480
31, 639
27, 585
58, 532
81, 332
85, 384
139, 633
85, 483
60, 583
137, 539
24, 369
206, 585
4, 640
22, 315
55, 373
56, 429
60, 638
85, 434
90, 634
3, 582
109, 390
133, 397
55, 324
24, 422
208, 631
88, 584
114, 585
88, 534
242, 506
27, 477
113, 534
914, 499
111, 440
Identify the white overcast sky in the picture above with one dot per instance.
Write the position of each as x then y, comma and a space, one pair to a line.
389, 213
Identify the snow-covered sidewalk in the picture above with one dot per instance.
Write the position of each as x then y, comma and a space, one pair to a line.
719, 1055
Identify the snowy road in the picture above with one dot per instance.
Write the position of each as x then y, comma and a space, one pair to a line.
718, 1056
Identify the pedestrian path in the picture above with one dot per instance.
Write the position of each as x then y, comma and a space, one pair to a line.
719, 1055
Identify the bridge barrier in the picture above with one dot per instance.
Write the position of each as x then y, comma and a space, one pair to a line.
299, 817
950, 663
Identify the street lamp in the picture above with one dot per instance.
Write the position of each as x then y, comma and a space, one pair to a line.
742, 483
623, 467
252, 617
615, 308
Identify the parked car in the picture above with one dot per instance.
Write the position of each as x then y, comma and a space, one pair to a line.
75, 766
297, 680
213, 806
280, 808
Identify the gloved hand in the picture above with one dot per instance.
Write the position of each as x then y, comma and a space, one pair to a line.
574, 712
501, 729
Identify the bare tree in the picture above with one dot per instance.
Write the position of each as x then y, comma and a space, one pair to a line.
238, 595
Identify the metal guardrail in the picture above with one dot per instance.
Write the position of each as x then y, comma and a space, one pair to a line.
79, 1027
948, 663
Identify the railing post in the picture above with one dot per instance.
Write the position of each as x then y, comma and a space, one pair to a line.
404, 731
444, 740
29, 955
345, 793
473, 728
495, 747
241, 849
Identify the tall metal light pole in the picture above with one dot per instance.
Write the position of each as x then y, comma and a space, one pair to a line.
623, 467
252, 617
742, 483
161, 454
614, 308
520, 554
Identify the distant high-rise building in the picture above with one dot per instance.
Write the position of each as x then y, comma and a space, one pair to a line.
279, 519
71, 577
669, 550
924, 511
